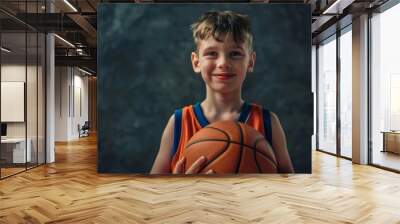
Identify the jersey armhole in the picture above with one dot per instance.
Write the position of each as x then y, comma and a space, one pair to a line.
267, 125
177, 131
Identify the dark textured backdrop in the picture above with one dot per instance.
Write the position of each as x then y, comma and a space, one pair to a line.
144, 74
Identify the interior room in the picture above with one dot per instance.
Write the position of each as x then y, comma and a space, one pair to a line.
50, 130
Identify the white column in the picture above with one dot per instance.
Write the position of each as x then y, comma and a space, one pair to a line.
62, 103
50, 93
360, 90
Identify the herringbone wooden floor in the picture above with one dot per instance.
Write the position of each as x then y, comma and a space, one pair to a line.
71, 191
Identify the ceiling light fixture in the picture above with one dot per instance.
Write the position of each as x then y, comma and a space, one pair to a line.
64, 40
331, 7
79, 51
5, 50
70, 5
84, 71
337, 7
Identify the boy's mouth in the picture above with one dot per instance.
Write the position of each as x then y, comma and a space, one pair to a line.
224, 76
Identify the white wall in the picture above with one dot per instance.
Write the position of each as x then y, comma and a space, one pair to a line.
16, 73
62, 80
10, 73
81, 104
71, 102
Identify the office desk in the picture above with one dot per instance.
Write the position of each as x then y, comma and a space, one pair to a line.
391, 141
15, 148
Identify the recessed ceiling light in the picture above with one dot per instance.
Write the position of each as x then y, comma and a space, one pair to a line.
64, 40
5, 50
337, 7
84, 71
70, 5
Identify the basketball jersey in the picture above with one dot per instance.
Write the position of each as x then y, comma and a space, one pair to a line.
191, 119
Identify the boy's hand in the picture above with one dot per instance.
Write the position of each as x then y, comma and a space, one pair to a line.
193, 169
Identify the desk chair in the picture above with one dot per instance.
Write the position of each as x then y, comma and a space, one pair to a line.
84, 130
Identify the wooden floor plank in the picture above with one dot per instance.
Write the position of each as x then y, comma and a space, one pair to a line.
71, 191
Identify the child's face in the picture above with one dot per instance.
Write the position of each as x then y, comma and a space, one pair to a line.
223, 64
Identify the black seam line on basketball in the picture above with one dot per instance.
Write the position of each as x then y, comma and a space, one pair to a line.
270, 147
220, 140
220, 130
239, 162
223, 132
266, 157
222, 151
273, 152
215, 157
233, 142
255, 154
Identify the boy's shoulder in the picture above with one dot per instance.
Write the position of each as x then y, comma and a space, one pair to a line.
187, 107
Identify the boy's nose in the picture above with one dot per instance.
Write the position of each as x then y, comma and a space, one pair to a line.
224, 62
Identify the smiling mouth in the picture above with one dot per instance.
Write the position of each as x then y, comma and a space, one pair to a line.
224, 76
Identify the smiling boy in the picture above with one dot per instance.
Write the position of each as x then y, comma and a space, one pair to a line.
223, 57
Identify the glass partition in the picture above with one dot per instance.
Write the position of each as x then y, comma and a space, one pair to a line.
385, 89
346, 92
327, 95
14, 152
22, 88
32, 95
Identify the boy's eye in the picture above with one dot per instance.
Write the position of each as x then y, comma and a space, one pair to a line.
211, 54
236, 54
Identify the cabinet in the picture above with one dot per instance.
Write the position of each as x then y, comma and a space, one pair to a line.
391, 141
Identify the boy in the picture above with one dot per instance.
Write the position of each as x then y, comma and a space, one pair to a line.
223, 56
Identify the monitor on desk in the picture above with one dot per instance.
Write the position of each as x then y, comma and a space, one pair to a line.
3, 130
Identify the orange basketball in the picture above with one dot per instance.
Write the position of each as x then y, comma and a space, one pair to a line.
231, 147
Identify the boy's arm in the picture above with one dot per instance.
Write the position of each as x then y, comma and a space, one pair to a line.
279, 144
162, 163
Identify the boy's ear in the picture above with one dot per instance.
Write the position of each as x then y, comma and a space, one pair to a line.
252, 61
195, 62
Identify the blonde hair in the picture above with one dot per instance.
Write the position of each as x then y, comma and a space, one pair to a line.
217, 24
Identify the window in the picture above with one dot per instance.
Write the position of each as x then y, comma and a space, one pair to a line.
385, 88
327, 95
346, 92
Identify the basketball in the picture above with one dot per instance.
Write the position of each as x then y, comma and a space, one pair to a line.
230, 147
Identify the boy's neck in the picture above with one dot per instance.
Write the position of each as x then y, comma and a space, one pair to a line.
219, 106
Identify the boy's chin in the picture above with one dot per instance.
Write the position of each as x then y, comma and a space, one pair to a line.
224, 89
